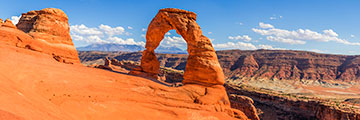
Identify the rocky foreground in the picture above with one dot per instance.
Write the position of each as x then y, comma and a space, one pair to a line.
41, 78
273, 97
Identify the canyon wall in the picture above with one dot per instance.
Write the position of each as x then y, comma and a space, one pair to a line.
266, 64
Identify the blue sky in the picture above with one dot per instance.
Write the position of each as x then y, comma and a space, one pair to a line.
327, 26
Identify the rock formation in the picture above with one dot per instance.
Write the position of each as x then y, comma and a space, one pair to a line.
266, 64
8, 24
244, 104
289, 65
202, 64
202, 73
45, 31
35, 86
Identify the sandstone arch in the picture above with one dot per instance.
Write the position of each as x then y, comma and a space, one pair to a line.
202, 64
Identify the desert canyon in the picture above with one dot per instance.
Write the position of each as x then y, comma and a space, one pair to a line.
43, 76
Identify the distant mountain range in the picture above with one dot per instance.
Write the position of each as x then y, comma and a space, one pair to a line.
129, 48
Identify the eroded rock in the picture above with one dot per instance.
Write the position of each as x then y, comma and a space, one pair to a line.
202, 72
8, 24
202, 64
45, 31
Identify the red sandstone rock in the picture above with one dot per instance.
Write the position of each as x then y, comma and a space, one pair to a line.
202, 72
51, 33
8, 24
202, 64
244, 104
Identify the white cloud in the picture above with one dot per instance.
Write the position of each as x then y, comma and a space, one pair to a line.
112, 31
299, 36
101, 34
243, 46
15, 19
143, 29
268, 47
352, 36
169, 41
244, 37
168, 33
265, 26
209, 32
272, 18
83, 30
285, 40
129, 41
238, 45
130, 28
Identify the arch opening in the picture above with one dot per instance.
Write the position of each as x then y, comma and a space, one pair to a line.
202, 64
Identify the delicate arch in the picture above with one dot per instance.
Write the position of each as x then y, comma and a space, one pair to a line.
202, 64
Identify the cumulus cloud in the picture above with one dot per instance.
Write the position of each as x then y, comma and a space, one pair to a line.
299, 36
15, 19
243, 46
143, 29
175, 41
244, 37
268, 47
209, 32
101, 34
263, 25
112, 31
130, 28
238, 45
352, 36
83, 30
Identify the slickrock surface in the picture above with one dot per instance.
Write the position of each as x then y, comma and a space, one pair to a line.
35, 86
45, 31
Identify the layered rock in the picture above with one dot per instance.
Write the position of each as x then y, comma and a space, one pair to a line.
51, 28
244, 104
274, 106
202, 65
265, 64
290, 65
45, 31
202, 72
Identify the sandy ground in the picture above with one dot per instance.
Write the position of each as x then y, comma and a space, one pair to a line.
35, 86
